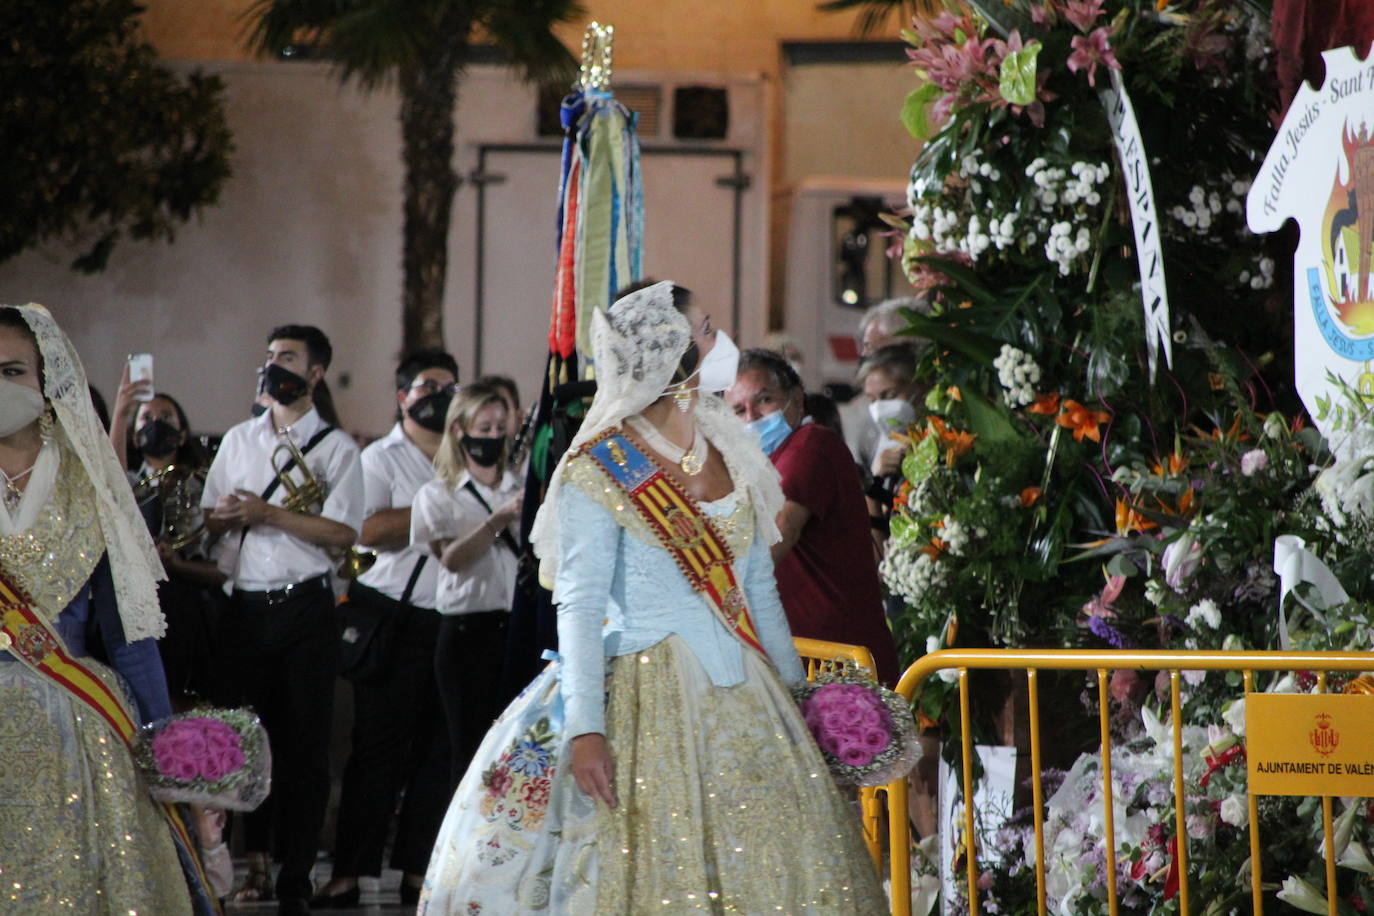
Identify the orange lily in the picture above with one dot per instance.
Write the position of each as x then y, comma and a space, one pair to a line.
1185, 503
1045, 404
1028, 496
960, 443
1082, 420
956, 442
1171, 466
1128, 519
954, 392
1232, 434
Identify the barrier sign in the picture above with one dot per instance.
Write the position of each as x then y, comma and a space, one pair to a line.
1309, 744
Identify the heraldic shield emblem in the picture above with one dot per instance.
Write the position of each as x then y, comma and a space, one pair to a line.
1320, 172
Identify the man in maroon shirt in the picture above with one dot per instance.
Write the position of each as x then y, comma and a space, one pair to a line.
826, 571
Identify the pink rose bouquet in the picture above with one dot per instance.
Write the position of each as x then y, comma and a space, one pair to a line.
214, 757
865, 732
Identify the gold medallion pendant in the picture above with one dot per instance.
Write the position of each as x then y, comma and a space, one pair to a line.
691, 464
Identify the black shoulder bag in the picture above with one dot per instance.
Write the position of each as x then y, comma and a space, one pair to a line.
368, 624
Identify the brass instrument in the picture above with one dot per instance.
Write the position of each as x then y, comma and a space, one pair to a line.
306, 496
183, 523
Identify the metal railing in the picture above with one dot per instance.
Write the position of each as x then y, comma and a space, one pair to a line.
1104, 662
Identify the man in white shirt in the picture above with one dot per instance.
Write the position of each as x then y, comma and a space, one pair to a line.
400, 738
280, 633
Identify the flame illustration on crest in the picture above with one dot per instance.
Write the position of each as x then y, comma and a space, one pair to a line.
1348, 232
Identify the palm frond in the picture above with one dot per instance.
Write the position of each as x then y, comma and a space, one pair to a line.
874, 14
371, 40
524, 30
269, 26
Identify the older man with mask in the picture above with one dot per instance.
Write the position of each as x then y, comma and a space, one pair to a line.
826, 571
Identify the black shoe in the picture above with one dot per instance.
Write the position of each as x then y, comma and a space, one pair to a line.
293, 906
343, 900
410, 894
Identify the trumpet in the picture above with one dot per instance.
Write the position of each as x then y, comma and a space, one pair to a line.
306, 496
182, 521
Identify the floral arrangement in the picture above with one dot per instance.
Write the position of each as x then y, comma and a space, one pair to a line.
865, 732
214, 757
1018, 230
1058, 490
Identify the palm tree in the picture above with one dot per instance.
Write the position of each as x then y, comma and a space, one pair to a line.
423, 46
873, 14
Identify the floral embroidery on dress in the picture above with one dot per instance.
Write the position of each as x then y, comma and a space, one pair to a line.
516, 795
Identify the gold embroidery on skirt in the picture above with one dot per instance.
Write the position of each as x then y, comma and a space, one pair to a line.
78, 830
725, 803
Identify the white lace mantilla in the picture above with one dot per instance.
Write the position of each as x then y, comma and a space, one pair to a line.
636, 346
133, 558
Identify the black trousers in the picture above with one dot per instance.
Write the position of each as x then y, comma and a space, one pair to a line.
282, 659
467, 666
400, 742
187, 648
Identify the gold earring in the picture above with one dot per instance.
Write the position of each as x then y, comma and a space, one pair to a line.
682, 397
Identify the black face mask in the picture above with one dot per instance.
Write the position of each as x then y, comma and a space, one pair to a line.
257, 409
284, 386
157, 439
429, 411
484, 451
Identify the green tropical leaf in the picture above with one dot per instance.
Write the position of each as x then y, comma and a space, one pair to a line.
916, 111
1017, 84
990, 422
921, 460
964, 278
980, 348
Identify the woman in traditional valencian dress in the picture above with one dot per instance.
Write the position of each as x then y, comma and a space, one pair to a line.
661, 764
78, 831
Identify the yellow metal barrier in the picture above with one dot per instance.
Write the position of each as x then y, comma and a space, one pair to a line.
821, 657
1033, 660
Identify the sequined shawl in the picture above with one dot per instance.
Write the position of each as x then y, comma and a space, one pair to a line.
54, 558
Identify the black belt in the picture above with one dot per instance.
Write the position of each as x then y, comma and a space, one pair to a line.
275, 596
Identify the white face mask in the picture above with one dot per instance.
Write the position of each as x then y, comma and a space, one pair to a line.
20, 405
720, 366
892, 413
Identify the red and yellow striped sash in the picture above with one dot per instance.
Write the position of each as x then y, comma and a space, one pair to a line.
30, 639
678, 523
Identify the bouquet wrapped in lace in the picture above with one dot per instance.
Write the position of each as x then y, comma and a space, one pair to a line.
214, 757
865, 732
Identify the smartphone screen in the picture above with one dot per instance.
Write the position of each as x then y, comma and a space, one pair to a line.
141, 369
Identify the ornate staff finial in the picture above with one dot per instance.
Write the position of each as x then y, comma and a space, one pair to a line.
595, 72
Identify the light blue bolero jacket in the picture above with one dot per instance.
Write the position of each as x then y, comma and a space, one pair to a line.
616, 573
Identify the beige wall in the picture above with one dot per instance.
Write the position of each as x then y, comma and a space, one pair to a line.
651, 34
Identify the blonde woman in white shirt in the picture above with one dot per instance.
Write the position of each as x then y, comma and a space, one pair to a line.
467, 518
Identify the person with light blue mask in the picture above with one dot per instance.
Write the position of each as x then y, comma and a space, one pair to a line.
826, 569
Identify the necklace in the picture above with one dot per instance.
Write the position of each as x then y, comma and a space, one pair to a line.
13, 495
691, 460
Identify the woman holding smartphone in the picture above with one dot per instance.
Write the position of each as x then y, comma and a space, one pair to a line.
167, 482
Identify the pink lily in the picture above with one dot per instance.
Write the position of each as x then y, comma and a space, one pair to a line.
1091, 50
1083, 13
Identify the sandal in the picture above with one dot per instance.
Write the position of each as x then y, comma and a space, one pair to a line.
257, 887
